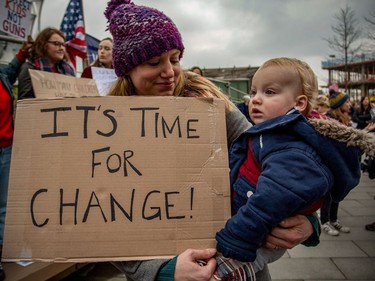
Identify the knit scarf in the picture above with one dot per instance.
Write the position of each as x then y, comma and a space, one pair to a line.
61, 67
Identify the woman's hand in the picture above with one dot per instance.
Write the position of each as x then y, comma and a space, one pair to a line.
187, 267
27, 44
290, 233
370, 127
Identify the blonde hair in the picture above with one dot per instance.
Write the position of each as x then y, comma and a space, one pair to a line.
309, 83
122, 87
188, 84
322, 100
340, 115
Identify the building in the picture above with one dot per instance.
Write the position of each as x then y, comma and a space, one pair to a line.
233, 81
361, 79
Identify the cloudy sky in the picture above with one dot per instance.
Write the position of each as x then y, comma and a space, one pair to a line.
227, 33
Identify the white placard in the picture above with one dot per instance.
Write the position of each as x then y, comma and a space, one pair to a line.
105, 78
15, 18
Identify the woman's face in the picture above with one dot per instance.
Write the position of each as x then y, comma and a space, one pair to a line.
105, 53
157, 76
322, 108
346, 106
55, 48
365, 102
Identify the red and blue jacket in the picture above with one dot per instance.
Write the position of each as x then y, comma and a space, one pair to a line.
280, 168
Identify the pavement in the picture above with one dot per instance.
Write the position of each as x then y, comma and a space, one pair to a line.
345, 257
348, 256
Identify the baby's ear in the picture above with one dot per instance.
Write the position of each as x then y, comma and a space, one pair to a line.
301, 103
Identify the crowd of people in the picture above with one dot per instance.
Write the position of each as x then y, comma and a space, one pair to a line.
280, 125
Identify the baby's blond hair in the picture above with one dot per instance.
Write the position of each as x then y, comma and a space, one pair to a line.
309, 83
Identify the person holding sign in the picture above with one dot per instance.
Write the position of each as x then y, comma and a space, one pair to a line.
8, 75
104, 58
147, 48
48, 54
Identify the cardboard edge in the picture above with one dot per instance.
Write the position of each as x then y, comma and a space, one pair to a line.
85, 260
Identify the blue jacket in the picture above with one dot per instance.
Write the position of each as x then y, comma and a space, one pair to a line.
297, 166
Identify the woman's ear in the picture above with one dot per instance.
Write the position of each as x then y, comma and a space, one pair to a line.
301, 103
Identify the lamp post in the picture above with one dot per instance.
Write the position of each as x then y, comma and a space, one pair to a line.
330, 71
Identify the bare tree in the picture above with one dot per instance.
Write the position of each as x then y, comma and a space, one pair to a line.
371, 24
346, 35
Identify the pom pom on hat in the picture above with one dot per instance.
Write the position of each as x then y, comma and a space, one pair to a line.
139, 34
112, 5
336, 99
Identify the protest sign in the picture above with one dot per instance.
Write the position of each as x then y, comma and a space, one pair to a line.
53, 85
15, 18
105, 78
116, 178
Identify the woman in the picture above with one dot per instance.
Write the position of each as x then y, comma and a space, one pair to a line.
147, 48
362, 115
48, 54
340, 107
197, 70
104, 58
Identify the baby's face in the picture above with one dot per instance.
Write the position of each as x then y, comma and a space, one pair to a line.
274, 92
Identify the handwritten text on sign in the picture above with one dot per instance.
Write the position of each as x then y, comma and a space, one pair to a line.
116, 162
55, 85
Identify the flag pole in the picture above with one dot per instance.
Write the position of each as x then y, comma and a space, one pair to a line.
85, 60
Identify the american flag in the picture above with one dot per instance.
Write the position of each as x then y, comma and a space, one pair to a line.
73, 27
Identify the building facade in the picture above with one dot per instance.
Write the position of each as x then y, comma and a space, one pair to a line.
357, 77
235, 82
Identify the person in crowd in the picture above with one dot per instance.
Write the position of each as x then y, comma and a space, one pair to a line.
8, 76
362, 115
322, 104
197, 70
47, 54
354, 105
370, 167
104, 58
268, 161
158, 72
244, 107
339, 110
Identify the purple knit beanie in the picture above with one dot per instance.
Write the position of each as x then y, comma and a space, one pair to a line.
139, 34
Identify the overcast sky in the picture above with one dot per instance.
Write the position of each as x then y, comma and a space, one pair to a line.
227, 33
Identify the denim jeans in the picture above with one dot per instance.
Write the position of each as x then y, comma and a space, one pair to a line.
5, 154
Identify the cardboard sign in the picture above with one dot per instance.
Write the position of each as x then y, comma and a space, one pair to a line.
52, 85
15, 17
105, 78
116, 178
